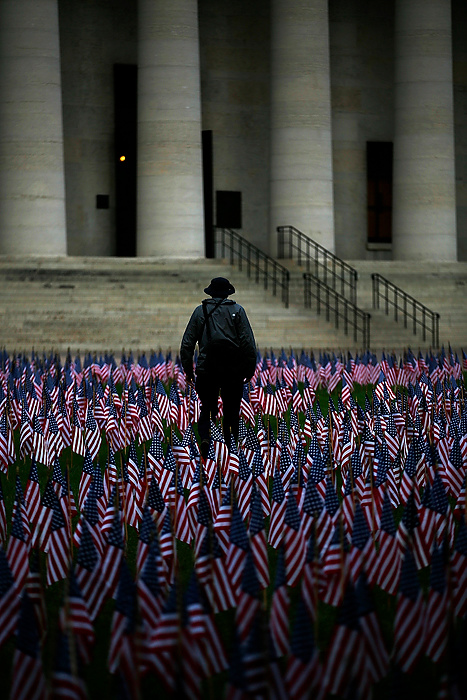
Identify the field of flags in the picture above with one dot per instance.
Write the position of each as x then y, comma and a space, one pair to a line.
323, 555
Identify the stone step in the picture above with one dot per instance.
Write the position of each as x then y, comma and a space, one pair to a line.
110, 304
113, 304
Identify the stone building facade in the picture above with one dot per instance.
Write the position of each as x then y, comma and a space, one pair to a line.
131, 127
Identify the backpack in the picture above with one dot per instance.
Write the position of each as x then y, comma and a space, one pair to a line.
220, 352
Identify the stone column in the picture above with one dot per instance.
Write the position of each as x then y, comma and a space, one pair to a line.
301, 154
424, 205
170, 181
32, 183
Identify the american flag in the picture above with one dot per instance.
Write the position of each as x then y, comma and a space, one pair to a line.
92, 434
203, 520
211, 654
90, 513
335, 567
408, 531
25, 436
156, 503
167, 544
279, 616
166, 634
437, 610
361, 544
388, 562
220, 593
149, 589
243, 484
248, 602
311, 576
9, 600
255, 660
39, 443
112, 428
66, 680
168, 470
285, 467
459, 571
28, 681
17, 551
3, 523
236, 686
53, 436
58, 547
410, 617
345, 660
35, 592
258, 544
294, 541
223, 520
77, 437
74, 619
131, 511
113, 556
132, 465
125, 603
304, 672
268, 401
147, 532
278, 507
32, 494
238, 548
376, 655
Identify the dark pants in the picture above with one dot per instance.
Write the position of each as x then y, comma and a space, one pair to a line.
230, 387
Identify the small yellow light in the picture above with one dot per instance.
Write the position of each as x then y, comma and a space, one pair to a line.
122, 159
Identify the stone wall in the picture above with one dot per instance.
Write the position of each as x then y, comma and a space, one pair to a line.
459, 56
362, 94
234, 55
94, 36
235, 94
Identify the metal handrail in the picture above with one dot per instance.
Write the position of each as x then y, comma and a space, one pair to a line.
420, 314
326, 266
265, 268
352, 316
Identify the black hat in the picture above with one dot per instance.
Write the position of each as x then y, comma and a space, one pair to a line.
220, 287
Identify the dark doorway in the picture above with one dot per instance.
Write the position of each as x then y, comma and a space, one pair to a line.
228, 209
125, 109
208, 194
379, 191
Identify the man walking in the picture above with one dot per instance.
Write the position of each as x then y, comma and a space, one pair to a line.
226, 359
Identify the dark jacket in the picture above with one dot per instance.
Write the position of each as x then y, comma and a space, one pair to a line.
228, 321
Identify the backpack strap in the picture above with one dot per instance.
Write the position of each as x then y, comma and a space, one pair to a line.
207, 315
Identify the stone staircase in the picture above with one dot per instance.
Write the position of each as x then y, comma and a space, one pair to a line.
108, 304
439, 287
111, 304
